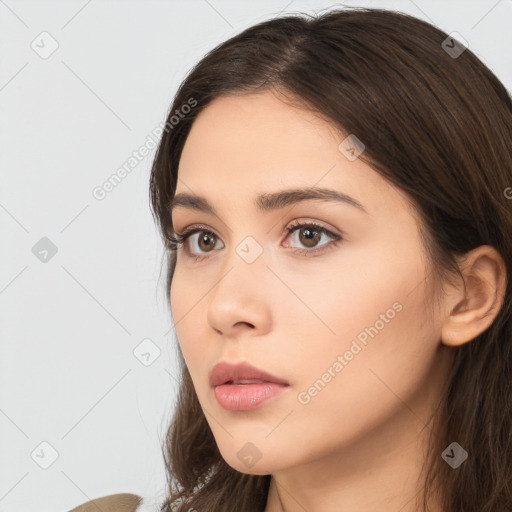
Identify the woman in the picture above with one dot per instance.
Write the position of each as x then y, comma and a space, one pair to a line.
379, 107
334, 193
383, 317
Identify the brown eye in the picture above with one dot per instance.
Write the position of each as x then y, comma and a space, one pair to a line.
309, 237
205, 241
196, 246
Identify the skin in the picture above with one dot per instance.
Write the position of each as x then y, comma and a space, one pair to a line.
359, 443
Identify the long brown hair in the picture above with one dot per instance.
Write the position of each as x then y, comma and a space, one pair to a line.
435, 124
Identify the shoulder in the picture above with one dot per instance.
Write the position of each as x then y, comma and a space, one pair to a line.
124, 502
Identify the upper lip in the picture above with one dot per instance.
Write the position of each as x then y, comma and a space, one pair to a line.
224, 372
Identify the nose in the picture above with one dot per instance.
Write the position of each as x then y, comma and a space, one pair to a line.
240, 301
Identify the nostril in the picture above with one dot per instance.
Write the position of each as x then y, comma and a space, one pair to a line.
245, 323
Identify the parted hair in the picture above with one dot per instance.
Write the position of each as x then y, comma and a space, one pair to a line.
438, 127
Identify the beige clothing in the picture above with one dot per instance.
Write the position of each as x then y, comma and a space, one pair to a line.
124, 502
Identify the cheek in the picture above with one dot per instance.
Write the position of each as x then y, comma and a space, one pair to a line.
183, 297
180, 293
375, 322
186, 293
374, 382
347, 294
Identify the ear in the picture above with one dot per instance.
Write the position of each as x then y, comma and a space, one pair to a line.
471, 307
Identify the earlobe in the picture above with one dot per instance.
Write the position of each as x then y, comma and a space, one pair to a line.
475, 303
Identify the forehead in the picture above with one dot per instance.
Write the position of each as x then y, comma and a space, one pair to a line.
241, 126
257, 136
243, 145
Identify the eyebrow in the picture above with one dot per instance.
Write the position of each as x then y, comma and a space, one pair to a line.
269, 201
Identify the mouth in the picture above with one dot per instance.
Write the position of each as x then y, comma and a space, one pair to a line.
245, 381
242, 387
241, 373
246, 397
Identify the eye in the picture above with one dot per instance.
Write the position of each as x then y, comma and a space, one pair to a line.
309, 235
205, 241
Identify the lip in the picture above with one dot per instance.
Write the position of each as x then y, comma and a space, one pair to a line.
234, 396
224, 372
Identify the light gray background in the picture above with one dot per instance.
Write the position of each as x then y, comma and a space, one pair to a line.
70, 325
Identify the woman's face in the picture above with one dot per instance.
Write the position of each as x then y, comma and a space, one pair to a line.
340, 315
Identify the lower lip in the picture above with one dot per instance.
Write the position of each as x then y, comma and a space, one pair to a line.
245, 397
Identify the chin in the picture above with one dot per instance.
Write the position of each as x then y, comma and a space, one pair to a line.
239, 460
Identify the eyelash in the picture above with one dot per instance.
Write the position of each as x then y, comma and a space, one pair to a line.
179, 239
